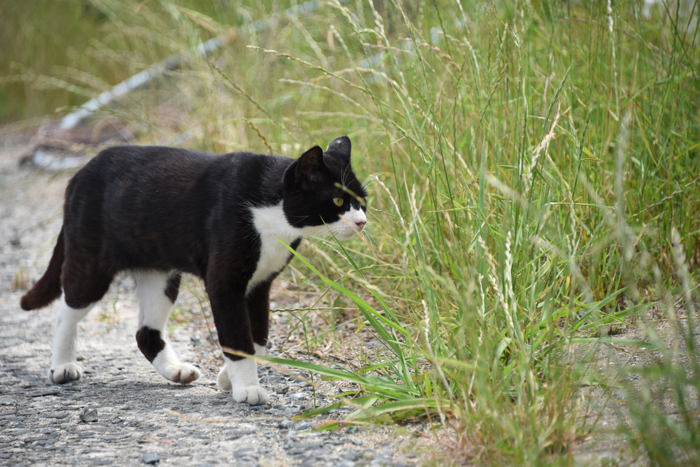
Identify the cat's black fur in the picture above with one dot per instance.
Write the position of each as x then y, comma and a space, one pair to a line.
174, 210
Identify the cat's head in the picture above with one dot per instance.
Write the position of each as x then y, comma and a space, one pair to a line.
321, 189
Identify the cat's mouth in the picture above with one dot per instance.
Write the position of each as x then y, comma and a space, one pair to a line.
348, 225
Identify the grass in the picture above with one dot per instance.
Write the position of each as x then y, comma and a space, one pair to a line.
533, 170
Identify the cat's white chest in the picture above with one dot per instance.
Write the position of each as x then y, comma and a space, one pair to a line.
273, 257
272, 226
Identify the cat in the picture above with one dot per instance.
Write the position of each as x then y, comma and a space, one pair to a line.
159, 212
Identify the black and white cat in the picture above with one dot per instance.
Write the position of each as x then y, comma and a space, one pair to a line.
159, 212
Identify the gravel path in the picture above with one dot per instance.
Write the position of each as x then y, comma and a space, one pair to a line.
122, 412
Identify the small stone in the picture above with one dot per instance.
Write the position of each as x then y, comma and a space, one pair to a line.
151, 459
282, 390
59, 415
297, 396
285, 424
301, 426
48, 392
258, 407
272, 379
88, 415
296, 451
235, 434
148, 428
245, 452
7, 400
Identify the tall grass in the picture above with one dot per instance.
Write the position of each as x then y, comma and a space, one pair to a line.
533, 169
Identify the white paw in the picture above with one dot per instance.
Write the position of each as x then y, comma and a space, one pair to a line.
60, 374
168, 365
253, 395
183, 373
224, 381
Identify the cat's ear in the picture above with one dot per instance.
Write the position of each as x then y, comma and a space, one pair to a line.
306, 167
340, 149
310, 161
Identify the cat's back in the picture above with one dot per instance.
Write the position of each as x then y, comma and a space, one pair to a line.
125, 178
143, 162
149, 164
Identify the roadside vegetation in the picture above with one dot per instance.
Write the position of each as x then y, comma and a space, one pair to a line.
534, 174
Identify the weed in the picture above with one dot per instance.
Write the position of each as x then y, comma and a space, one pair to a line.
21, 281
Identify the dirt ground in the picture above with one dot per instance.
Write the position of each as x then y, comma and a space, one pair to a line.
141, 418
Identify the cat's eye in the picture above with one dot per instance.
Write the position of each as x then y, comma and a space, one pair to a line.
338, 201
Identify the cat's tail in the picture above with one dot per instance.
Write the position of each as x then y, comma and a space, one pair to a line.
48, 288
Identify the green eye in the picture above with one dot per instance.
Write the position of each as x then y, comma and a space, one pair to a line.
338, 201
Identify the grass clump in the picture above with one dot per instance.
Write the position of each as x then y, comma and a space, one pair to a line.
533, 170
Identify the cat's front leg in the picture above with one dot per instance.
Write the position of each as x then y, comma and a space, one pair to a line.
240, 374
224, 381
245, 386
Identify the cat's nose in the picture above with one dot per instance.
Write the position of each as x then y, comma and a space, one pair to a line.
360, 225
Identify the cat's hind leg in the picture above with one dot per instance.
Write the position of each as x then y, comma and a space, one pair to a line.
80, 292
156, 293
64, 366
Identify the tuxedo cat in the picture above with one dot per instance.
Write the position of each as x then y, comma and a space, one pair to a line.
159, 212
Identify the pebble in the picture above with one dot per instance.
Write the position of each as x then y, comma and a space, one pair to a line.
286, 424
88, 415
7, 400
258, 407
302, 425
48, 392
151, 459
246, 452
234, 435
